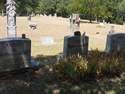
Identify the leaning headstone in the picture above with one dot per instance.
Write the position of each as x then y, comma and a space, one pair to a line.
76, 44
115, 42
15, 53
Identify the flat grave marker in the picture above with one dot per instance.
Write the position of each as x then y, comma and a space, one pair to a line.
47, 40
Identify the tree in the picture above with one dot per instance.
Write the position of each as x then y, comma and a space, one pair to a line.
91, 9
109, 10
75, 6
122, 9
112, 6
26, 7
2, 6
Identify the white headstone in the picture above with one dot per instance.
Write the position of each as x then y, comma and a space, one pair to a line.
74, 22
11, 18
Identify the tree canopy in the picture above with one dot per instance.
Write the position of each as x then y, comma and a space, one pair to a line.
109, 10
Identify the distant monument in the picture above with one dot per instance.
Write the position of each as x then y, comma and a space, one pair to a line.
112, 30
11, 18
74, 22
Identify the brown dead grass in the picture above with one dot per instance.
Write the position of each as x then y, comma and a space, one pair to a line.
57, 28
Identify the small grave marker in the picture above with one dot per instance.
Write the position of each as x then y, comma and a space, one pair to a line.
47, 40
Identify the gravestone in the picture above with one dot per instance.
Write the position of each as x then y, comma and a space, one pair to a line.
112, 29
11, 18
47, 40
15, 53
115, 42
74, 22
29, 18
76, 44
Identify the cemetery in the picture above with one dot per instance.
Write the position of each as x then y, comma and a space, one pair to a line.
46, 54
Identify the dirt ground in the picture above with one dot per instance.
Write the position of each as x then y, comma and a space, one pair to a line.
57, 28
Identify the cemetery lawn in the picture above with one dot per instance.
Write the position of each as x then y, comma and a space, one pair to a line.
47, 81
58, 28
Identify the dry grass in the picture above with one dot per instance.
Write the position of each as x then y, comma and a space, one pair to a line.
57, 28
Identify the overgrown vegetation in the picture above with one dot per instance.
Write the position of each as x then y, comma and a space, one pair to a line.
97, 65
47, 81
112, 11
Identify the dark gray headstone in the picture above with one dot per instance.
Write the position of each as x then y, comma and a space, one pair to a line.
74, 45
115, 42
15, 53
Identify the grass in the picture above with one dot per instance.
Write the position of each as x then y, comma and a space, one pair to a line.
57, 28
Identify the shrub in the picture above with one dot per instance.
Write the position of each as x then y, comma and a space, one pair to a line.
95, 65
72, 68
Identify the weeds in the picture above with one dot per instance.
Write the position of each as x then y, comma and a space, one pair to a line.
95, 65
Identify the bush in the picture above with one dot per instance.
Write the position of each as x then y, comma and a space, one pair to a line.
70, 68
118, 21
95, 65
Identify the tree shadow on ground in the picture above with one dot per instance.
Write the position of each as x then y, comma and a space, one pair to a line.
47, 82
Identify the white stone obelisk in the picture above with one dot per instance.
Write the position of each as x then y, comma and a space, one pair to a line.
11, 18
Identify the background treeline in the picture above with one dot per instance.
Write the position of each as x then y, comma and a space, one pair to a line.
112, 11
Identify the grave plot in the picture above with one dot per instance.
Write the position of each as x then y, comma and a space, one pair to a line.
115, 42
15, 52
74, 45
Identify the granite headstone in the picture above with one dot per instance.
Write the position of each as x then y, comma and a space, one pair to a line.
76, 44
15, 53
115, 42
